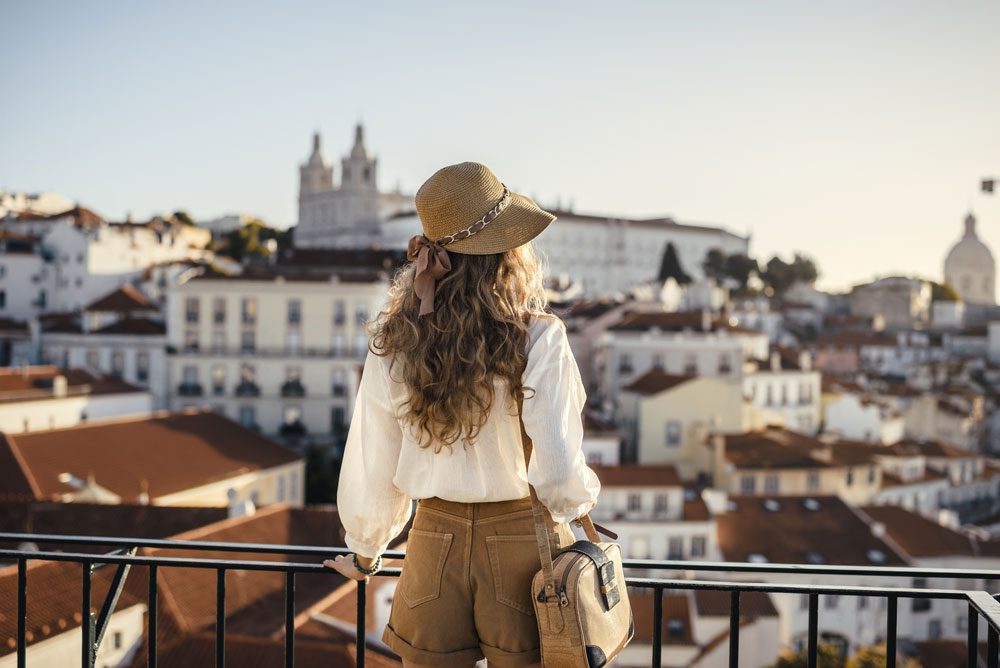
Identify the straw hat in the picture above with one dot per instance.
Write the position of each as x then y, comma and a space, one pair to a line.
459, 197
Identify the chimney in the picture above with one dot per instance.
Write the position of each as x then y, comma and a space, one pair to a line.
775, 360
706, 320
59, 386
805, 360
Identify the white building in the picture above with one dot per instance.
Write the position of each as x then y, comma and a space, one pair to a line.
282, 354
347, 214
44, 397
862, 416
121, 335
785, 389
970, 268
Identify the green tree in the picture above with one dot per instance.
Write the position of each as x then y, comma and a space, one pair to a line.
739, 267
943, 292
828, 657
670, 266
714, 264
250, 240
780, 275
183, 217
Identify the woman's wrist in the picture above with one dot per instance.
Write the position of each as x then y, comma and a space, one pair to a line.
367, 565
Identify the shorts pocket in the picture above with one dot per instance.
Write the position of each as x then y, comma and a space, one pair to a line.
514, 561
423, 566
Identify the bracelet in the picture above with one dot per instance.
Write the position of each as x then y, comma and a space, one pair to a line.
368, 571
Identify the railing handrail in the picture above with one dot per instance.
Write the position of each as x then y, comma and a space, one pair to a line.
638, 564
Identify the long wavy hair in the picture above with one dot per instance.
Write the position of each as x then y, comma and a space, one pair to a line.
449, 359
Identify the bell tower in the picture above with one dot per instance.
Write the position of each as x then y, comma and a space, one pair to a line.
315, 175
357, 169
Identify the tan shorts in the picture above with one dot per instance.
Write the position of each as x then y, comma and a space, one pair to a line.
464, 593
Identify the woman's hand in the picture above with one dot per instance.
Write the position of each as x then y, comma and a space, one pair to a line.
344, 564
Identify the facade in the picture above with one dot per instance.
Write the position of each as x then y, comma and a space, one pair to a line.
956, 419
861, 416
903, 302
349, 213
279, 354
970, 268
43, 397
785, 389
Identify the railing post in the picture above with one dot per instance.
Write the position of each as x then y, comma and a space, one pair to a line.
151, 618
813, 652
22, 611
86, 622
361, 629
657, 627
890, 632
992, 648
220, 618
972, 633
734, 629
289, 619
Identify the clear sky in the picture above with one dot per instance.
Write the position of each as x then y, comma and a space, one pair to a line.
853, 131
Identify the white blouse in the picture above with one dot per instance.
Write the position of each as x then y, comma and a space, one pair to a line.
384, 468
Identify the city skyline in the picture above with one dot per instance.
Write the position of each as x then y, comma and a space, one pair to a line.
856, 135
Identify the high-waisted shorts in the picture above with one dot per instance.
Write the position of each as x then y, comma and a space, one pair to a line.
465, 589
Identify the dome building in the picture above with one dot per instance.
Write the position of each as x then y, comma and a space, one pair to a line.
970, 267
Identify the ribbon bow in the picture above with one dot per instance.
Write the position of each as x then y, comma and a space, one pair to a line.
432, 263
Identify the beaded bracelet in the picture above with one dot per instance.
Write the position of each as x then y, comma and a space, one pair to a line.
368, 571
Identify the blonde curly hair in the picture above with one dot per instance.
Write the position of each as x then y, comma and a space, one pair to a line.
449, 359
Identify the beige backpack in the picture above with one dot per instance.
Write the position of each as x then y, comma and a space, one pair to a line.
582, 605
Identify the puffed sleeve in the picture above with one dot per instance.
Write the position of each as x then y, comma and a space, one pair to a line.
553, 420
372, 509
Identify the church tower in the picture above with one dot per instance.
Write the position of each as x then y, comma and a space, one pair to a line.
357, 169
315, 175
970, 267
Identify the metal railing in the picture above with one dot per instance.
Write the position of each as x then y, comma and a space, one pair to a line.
980, 605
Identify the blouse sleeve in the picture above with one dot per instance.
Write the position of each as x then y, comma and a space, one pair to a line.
553, 420
372, 509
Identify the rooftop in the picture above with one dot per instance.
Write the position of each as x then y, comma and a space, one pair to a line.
185, 450
35, 383
656, 380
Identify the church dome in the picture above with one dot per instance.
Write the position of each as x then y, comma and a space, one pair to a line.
970, 268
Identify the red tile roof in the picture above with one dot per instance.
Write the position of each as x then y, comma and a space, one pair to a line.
774, 448
173, 452
654, 381
675, 623
931, 449
125, 299
135, 327
919, 536
753, 604
10, 326
36, 383
800, 530
638, 475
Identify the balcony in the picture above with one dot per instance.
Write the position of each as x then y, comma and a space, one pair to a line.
121, 555
189, 390
247, 388
293, 388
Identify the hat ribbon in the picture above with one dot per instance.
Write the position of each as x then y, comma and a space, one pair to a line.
432, 259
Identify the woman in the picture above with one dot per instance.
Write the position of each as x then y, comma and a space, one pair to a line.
463, 339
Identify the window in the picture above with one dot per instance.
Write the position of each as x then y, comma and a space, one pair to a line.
294, 312
675, 548
661, 504
248, 310
117, 363
337, 415
830, 601
190, 374
248, 374
281, 489
339, 387
769, 400
191, 340
784, 394
748, 484
294, 342
248, 417
657, 361
94, 359
850, 477
624, 363
725, 365
116, 638
248, 341
862, 602
3, 299
142, 367
804, 602
812, 481
934, 629
191, 310
339, 312
771, 483
361, 345
293, 415
675, 628
634, 502
218, 380
698, 546
871, 475
920, 604
219, 310
294, 486
218, 341
338, 345
361, 313
673, 433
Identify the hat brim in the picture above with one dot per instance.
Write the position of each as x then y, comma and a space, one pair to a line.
520, 222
